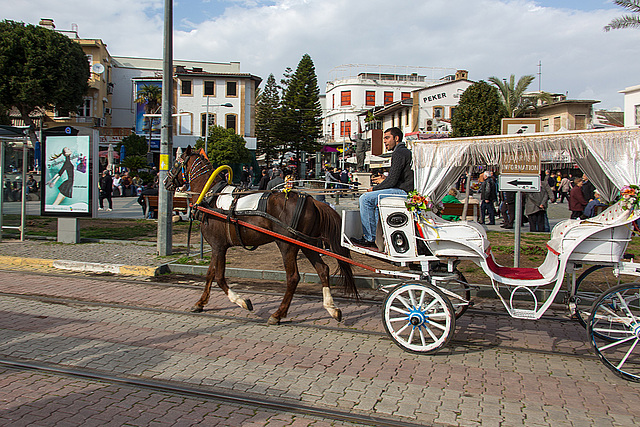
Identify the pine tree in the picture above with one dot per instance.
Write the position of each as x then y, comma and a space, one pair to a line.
301, 110
479, 112
268, 119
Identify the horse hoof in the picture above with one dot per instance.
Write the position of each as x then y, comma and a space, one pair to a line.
273, 321
249, 305
197, 309
338, 315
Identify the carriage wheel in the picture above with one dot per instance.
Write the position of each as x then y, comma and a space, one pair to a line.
418, 317
589, 286
616, 316
458, 285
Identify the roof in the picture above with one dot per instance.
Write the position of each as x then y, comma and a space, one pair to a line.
444, 84
394, 106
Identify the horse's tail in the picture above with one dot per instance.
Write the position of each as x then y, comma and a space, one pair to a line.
330, 232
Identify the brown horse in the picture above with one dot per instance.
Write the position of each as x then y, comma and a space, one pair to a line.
318, 224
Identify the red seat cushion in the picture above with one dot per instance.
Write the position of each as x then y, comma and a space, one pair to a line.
512, 272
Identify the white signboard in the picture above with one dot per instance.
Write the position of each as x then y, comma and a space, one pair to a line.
526, 183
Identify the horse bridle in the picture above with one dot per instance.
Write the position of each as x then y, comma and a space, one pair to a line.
197, 169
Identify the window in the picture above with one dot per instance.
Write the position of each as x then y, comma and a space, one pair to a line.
345, 97
388, 98
333, 131
232, 89
406, 119
186, 87
556, 123
370, 98
231, 121
85, 108
333, 101
581, 122
545, 125
60, 113
637, 108
209, 88
452, 110
203, 122
345, 128
438, 112
405, 95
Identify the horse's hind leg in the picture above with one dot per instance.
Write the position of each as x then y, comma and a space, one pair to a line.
289, 256
323, 273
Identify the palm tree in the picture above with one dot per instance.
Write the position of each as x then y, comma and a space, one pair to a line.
626, 21
151, 96
512, 93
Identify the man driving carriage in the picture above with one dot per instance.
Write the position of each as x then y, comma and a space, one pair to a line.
398, 182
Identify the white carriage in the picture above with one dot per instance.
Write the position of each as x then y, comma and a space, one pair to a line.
419, 314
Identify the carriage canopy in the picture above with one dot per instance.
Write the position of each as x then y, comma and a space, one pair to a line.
610, 158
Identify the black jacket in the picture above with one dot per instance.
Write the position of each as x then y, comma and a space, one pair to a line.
400, 174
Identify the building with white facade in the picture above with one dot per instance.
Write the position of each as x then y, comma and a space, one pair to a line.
631, 105
354, 88
196, 84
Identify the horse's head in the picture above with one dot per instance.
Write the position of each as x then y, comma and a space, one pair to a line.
182, 172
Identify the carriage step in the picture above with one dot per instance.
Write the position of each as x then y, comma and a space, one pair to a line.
519, 313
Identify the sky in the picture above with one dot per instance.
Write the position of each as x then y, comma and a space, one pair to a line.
486, 37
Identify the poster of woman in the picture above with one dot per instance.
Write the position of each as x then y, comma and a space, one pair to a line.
66, 176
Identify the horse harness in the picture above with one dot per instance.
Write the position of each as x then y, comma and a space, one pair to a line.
261, 210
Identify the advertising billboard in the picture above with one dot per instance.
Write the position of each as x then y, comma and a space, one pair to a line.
149, 127
66, 176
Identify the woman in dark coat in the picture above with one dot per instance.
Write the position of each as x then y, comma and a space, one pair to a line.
577, 203
66, 188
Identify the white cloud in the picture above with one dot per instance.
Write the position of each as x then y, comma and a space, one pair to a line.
486, 37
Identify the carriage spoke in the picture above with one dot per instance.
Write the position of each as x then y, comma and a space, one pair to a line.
431, 304
625, 306
422, 338
615, 343
626, 356
412, 297
438, 325
399, 310
401, 330
398, 319
410, 339
404, 302
433, 336
612, 331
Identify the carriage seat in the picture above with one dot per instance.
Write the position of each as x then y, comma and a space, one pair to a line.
575, 230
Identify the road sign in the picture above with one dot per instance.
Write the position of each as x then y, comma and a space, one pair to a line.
526, 183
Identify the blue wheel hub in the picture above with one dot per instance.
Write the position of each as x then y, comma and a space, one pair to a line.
636, 329
417, 317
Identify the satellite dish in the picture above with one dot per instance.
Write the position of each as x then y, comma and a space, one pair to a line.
97, 68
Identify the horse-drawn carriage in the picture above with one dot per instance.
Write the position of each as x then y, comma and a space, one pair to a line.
420, 312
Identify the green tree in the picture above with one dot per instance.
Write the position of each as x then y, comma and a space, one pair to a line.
301, 111
224, 147
40, 68
626, 21
512, 93
268, 119
134, 145
479, 111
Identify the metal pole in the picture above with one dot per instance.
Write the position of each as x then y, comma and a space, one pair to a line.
165, 198
1, 183
23, 214
466, 194
518, 221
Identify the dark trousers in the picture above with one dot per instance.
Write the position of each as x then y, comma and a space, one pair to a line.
536, 221
105, 195
564, 195
575, 214
510, 216
487, 208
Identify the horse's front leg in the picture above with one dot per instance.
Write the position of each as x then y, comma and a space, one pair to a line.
289, 256
323, 273
206, 293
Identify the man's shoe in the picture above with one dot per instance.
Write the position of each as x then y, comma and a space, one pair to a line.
109, 209
492, 223
364, 243
508, 227
100, 209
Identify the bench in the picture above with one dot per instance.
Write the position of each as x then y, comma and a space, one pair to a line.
180, 205
457, 208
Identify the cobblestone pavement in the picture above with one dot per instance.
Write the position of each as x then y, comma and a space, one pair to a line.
513, 372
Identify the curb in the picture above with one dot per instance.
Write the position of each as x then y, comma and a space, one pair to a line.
87, 267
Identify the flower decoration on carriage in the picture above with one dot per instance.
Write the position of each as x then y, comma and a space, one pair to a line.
288, 185
416, 202
630, 195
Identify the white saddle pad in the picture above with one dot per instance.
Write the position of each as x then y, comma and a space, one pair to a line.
247, 202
